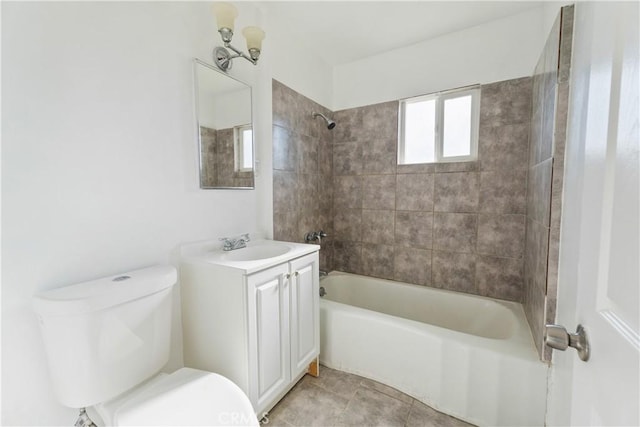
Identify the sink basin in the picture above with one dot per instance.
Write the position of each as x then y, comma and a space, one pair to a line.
254, 253
258, 255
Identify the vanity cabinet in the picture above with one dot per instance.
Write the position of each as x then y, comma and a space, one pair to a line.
258, 328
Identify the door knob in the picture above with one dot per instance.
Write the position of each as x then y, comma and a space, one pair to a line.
556, 336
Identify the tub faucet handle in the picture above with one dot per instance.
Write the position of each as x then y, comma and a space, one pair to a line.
315, 235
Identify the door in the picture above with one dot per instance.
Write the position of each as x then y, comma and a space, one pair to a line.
268, 298
305, 312
599, 256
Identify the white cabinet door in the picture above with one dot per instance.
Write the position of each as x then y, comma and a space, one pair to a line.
305, 299
268, 298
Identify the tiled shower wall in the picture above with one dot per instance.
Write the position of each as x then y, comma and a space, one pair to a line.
456, 226
302, 169
546, 166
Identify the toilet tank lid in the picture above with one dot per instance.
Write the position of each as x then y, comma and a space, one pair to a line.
105, 292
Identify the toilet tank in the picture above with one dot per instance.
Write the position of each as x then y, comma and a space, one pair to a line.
106, 336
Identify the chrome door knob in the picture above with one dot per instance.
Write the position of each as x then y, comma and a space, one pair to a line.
557, 337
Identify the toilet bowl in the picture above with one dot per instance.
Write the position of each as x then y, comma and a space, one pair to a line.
107, 340
186, 397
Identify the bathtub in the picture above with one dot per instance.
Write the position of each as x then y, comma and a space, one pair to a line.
470, 357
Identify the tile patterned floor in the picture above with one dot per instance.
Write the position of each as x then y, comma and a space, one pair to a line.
340, 399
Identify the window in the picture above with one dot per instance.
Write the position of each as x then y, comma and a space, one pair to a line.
441, 127
244, 148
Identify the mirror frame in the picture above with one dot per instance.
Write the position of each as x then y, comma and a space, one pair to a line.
196, 93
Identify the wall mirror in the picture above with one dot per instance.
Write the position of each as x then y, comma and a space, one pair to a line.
225, 131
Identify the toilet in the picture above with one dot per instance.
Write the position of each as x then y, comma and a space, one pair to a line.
106, 341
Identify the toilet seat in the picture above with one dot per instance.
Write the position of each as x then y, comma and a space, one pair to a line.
187, 397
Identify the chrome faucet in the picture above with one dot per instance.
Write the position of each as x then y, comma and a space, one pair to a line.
231, 243
315, 235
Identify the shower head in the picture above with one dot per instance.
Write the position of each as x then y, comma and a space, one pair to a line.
330, 123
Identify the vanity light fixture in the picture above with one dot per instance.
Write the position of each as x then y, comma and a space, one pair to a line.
225, 14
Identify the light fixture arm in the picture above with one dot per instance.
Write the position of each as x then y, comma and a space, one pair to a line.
223, 56
240, 54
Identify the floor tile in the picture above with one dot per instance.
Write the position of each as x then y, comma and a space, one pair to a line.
338, 398
308, 405
372, 408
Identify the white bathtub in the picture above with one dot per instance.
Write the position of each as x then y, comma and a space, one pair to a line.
470, 357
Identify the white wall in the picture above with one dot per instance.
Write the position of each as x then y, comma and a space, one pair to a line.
296, 68
99, 162
499, 50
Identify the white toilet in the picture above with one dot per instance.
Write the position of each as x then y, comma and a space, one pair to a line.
106, 341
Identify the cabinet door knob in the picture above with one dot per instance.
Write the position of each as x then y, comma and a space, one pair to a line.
296, 274
287, 276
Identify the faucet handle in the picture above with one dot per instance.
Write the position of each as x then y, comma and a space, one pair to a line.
245, 237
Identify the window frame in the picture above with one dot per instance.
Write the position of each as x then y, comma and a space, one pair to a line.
440, 98
239, 148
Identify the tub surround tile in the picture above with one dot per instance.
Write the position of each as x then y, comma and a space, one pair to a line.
546, 170
347, 192
307, 154
350, 125
379, 157
503, 191
414, 229
347, 224
377, 260
378, 226
286, 229
536, 254
414, 192
501, 235
566, 42
347, 158
455, 232
378, 191
534, 308
412, 265
325, 255
417, 168
380, 121
456, 192
285, 195
325, 158
307, 188
506, 102
366, 200
454, 271
503, 146
347, 256
285, 156
501, 278
539, 192
302, 169
456, 167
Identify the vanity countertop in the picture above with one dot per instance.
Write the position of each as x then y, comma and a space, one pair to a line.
258, 255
